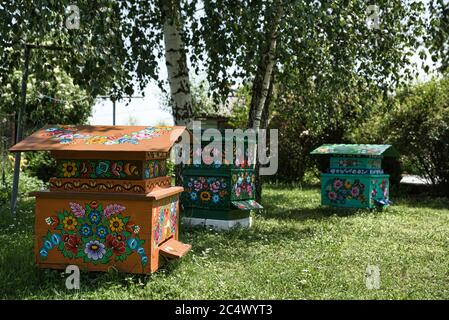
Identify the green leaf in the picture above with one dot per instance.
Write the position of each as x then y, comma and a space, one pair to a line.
104, 260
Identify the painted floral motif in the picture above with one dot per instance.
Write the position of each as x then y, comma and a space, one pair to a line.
69, 169
211, 156
95, 250
243, 185
69, 134
155, 168
72, 243
374, 163
164, 220
208, 157
92, 233
341, 190
206, 190
349, 163
112, 209
69, 222
116, 224
356, 162
350, 149
379, 190
95, 169
356, 171
77, 209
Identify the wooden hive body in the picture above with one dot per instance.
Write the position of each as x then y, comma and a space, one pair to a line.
219, 193
110, 205
355, 177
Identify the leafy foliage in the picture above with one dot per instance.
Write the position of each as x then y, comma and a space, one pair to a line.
40, 164
319, 42
416, 122
307, 118
27, 184
438, 28
53, 98
113, 47
419, 127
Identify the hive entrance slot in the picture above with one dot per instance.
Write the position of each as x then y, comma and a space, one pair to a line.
174, 249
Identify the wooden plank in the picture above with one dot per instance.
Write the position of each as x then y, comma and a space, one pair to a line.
88, 196
174, 249
101, 138
161, 193
137, 213
109, 155
104, 155
143, 186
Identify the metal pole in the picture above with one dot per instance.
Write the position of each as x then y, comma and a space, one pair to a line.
20, 116
113, 112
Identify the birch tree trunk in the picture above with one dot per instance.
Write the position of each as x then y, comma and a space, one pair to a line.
176, 62
263, 86
263, 124
263, 77
177, 69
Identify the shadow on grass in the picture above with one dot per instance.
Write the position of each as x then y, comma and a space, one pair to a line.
22, 279
424, 202
202, 237
289, 186
274, 209
419, 196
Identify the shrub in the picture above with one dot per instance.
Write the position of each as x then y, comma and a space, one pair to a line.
308, 117
416, 123
418, 126
27, 184
41, 165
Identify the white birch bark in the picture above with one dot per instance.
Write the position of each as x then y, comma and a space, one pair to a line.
176, 62
270, 60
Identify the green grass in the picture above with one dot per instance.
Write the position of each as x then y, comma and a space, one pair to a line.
296, 250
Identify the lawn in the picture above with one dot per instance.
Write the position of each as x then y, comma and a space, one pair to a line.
295, 250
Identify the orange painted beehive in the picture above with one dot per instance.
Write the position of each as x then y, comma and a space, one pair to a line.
111, 203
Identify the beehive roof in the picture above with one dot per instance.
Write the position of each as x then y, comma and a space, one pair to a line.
100, 138
357, 149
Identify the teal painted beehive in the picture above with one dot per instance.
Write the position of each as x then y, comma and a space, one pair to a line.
355, 177
219, 193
